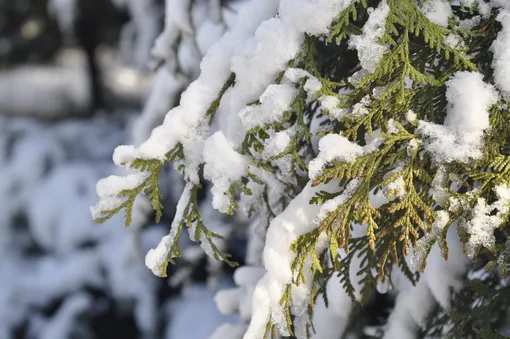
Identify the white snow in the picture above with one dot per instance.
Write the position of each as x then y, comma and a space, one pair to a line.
51, 168
70, 187
360, 108
397, 188
419, 255
295, 220
61, 325
337, 147
453, 40
501, 60
278, 143
439, 190
333, 204
193, 315
157, 258
274, 102
333, 147
223, 167
411, 116
230, 331
139, 34
460, 137
437, 11
414, 303
265, 37
481, 225
312, 84
330, 104
370, 52
45, 92
503, 4
184, 123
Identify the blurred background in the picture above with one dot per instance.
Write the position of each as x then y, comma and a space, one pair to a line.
78, 78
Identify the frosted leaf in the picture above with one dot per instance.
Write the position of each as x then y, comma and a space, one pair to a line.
440, 192
483, 7
411, 116
485, 219
461, 137
360, 108
470, 23
157, 258
370, 52
185, 123
294, 221
108, 190
223, 166
330, 103
454, 41
312, 84
333, 204
392, 127
274, 102
333, 320
422, 246
333, 147
278, 143
397, 188
358, 76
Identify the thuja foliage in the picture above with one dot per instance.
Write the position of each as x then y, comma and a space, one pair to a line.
382, 111
478, 311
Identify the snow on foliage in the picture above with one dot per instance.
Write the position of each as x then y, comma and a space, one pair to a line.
407, 152
460, 138
437, 11
369, 50
220, 159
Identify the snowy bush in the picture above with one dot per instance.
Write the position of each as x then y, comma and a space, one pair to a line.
348, 138
51, 253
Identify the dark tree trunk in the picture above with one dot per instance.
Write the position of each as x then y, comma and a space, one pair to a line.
87, 27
